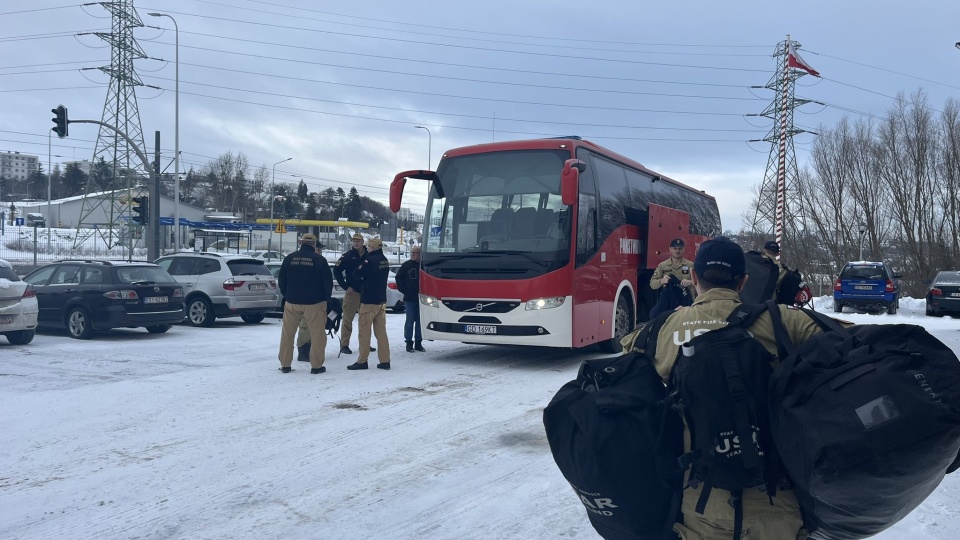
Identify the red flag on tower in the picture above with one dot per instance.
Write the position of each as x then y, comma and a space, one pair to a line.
794, 60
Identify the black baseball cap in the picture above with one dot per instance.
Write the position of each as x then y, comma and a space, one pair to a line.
677, 242
772, 246
720, 253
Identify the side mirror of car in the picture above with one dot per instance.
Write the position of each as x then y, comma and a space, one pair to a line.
897, 275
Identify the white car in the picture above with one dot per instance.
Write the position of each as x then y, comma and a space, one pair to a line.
394, 297
269, 256
18, 307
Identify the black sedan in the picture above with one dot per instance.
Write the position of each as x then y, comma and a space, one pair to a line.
88, 295
943, 298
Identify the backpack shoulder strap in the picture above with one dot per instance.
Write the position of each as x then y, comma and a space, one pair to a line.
652, 328
745, 314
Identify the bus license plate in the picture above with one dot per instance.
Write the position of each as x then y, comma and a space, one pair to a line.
479, 329
155, 300
863, 287
258, 286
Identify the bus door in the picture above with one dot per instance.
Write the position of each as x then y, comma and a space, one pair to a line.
663, 225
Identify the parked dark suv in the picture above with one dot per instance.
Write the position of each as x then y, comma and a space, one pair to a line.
85, 296
867, 286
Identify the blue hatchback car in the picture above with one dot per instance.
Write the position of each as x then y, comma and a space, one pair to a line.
867, 286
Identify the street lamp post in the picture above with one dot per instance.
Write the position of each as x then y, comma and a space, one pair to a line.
429, 146
273, 194
863, 230
176, 133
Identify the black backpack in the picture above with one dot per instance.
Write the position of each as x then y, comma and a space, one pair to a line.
672, 295
719, 385
867, 422
763, 274
613, 441
791, 285
334, 315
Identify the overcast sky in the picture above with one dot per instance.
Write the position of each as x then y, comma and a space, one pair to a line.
340, 86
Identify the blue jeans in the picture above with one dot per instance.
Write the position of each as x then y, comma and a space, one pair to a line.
411, 308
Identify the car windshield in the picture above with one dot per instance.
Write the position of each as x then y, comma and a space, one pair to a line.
863, 272
7, 273
141, 274
248, 267
952, 278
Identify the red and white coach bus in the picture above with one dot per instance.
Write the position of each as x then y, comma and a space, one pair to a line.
547, 242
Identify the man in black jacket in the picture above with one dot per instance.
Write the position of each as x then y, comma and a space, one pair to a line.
408, 282
347, 274
374, 270
306, 283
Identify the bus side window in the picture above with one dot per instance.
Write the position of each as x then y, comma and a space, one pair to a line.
586, 228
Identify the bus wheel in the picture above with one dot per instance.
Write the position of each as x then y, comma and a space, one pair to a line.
621, 327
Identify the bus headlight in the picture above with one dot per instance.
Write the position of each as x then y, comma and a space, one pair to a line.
544, 303
429, 301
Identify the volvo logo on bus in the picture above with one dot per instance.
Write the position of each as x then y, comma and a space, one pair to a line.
480, 306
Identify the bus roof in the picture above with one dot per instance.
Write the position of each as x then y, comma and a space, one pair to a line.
564, 142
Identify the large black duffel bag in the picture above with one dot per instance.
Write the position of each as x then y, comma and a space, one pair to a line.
867, 423
617, 446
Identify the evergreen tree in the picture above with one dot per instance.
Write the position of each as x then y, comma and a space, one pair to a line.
354, 208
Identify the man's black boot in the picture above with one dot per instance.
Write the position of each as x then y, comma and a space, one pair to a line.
419, 347
409, 346
303, 352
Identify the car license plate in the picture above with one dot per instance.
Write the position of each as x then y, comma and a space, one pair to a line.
955, 294
863, 287
479, 329
6, 319
258, 286
155, 300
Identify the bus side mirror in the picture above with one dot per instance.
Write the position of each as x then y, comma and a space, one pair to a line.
570, 180
396, 192
400, 180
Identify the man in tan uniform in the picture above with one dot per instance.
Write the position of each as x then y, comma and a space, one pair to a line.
771, 250
374, 271
719, 273
676, 265
347, 274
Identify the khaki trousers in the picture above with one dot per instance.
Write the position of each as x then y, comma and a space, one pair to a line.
351, 303
315, 316
375, 316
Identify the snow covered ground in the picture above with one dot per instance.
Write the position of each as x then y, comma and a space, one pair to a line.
194, 434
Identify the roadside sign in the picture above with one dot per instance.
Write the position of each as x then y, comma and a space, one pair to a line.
281, 227
18, 221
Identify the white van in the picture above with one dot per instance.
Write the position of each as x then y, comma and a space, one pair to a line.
36, 220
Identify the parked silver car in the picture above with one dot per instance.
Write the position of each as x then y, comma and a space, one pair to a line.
221, 285
18, 307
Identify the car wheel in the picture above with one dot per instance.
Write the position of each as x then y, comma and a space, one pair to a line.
252, 318
400, 307
200, 312
158, 329
837, 307
20, 337
79, 324
892, 308
621, 327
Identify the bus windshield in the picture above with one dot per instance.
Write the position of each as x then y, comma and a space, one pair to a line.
505, 203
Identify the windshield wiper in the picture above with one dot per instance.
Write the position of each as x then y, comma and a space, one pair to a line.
513, 252
443, 258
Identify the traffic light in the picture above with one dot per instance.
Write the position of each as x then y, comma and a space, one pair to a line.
60, 121
142, 210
